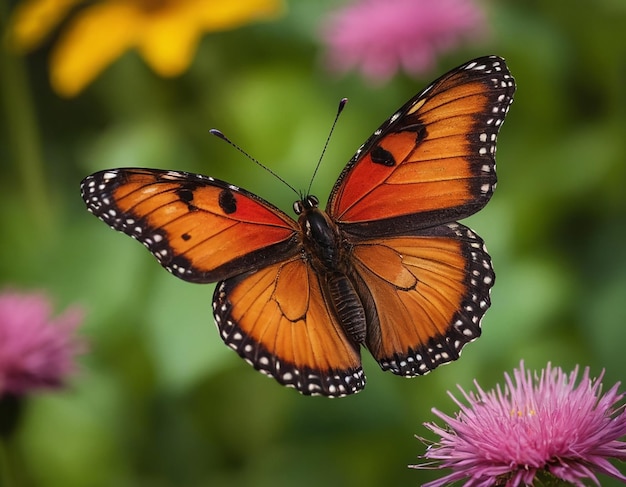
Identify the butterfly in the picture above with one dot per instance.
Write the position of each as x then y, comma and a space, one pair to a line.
386, 266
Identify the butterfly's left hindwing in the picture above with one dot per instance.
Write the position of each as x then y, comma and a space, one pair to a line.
279, 320
433, 161
199, 228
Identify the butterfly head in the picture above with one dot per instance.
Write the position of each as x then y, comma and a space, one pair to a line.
306, 203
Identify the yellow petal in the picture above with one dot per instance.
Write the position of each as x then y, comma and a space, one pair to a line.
31, 21
168, 40
95, 38
171, 34
224, 14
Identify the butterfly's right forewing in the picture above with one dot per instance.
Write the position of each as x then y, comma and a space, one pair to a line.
431, 162
199, 228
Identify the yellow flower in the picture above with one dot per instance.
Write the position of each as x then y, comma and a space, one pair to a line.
165, 32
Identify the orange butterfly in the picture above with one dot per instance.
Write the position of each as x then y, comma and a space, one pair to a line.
386, 266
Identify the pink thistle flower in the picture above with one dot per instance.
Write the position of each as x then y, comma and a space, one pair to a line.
545, 424
383, 36
36, 351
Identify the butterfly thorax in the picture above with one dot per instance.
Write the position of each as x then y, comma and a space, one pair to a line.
326, 253
320, 236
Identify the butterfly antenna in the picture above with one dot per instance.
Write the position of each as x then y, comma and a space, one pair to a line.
342, 104
219, 134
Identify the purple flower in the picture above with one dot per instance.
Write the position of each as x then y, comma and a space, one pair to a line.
36, 351
383, 36
539, 424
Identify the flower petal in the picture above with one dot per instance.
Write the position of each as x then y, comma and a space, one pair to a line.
95, 38
33, 20
380, 37
168, 40
223, 15
548, 422
36, 350
170, 35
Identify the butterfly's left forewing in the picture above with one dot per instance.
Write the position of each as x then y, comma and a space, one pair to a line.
199, 228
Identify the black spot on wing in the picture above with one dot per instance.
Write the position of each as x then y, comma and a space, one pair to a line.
382, 156
185, 193
227, 201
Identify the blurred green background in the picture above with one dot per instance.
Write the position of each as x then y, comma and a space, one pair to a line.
159, 400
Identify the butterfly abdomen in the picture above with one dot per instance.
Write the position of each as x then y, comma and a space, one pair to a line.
347, 305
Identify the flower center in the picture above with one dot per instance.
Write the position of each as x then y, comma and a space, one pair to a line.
528, 411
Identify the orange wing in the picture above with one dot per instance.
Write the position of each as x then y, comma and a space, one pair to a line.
429, 292
278, 320
433, 161
199, 228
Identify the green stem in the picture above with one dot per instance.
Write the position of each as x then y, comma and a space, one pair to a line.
6, 477
23, 132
